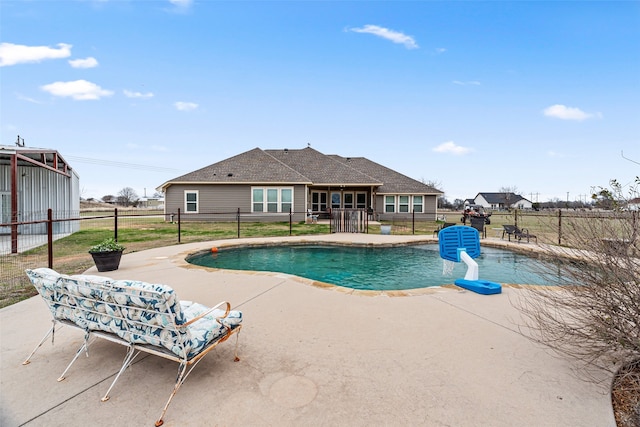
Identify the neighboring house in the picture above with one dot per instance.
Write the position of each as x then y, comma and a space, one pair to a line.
501, 200
634, 204
276, 181
151, 202
33, 180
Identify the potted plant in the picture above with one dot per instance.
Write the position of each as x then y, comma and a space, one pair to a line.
107, 254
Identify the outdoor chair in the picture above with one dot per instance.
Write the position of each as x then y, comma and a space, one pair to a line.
478, 223
517, 233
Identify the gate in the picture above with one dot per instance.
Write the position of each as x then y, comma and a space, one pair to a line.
349, 220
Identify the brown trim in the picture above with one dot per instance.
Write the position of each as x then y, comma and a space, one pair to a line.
44, 165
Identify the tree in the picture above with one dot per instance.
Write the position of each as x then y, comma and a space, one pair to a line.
108, 198
507, 191
128, 197
593, 313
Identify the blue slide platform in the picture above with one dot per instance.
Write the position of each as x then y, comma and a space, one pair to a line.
483, 287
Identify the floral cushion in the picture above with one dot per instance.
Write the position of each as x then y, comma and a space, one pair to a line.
138, 312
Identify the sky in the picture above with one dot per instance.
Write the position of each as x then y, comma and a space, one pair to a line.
541, 97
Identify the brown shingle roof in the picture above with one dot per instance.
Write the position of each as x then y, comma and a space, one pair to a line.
253, 166
394, 182
305, 166
322, 169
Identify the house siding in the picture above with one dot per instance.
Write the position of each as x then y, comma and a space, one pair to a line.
430, 203
222, 201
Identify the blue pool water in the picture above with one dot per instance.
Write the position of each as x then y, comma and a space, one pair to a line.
370, 268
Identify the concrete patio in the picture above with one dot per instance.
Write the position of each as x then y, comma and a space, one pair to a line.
311, 355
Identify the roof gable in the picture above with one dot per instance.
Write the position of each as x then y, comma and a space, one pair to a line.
253, 166
501, 198
322, 169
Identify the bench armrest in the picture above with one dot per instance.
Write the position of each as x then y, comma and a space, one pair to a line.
216, 307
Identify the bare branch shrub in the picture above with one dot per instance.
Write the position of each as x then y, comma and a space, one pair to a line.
593, 311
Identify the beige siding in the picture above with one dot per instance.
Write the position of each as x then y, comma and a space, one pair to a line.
429, 209
226, 198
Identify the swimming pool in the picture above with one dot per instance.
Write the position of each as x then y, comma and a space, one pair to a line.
370, 268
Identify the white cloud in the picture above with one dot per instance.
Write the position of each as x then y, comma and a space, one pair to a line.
181, 3
160, 148
12, 54
451, 147
388, 34
185, 106
563, 112
89, 62
131, 94
440, 50
469, 83
80, 90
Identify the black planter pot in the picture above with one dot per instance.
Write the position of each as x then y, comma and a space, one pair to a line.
107, 261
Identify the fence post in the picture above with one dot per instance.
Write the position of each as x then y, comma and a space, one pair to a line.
413, 222
559, 226
50, 238
238, 219
115, 224
290, 221
179, 225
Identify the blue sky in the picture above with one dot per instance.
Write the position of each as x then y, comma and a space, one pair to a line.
540, 96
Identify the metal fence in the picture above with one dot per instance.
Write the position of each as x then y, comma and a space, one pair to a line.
61, 240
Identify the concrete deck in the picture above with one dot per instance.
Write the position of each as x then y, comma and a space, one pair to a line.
310, 356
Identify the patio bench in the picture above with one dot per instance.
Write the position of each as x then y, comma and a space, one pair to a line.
141, 316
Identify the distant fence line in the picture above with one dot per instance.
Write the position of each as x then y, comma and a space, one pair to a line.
22, 243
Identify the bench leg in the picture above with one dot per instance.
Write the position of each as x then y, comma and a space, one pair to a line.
182, 375
128, 360
85, 347
51, 332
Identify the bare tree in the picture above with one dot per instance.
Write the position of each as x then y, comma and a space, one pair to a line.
593, 313
128, 197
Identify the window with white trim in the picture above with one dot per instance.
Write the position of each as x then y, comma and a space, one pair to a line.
403, 204
257, 200
271, 199
191, 201
417, 204
389, 204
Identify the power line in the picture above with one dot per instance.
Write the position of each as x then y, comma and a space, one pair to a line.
121, 164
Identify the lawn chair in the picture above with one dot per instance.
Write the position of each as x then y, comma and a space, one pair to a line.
478, 223
517, 233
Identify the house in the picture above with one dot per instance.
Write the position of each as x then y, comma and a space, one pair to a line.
500, 201
33, 180
271, 183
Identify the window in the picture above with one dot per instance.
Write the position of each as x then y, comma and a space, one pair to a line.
191, 201
361, 200
318, 201
348, 200
417, 204
271, 199
403, 203
286, 196
258, 200
389, 204
335, 201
